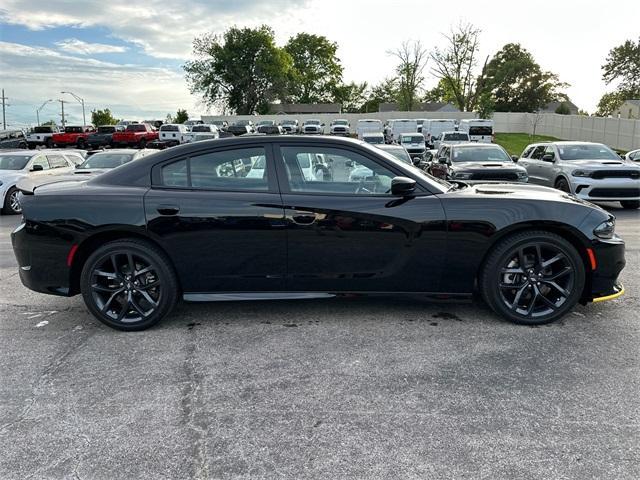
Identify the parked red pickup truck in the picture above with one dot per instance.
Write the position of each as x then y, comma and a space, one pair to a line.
137, 134
76, 136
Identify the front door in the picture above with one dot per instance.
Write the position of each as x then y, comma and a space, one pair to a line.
221, 224
346, 232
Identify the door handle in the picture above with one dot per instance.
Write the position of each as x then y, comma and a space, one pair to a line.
168, 209
303, 218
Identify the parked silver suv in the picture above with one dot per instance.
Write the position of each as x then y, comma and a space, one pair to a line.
591, 171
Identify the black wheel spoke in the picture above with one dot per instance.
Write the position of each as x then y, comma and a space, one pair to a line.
114, 263
148, 298
548, 302
136, 307
552, 260
559, 274
564, 292
143, 271
103, 288
101, 273
516, 300
512, 286
149, 285
532, 300
512, 270
521, 261
132, 266
539, 260
107, 304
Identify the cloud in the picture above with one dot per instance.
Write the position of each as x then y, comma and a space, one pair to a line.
73, 45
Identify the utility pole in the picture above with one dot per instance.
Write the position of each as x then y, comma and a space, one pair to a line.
62, 102
4, 118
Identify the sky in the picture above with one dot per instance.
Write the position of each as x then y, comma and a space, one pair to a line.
128, 56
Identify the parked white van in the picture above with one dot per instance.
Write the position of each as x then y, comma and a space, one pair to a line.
479, 129
368, 125
174, 133
399, 126
432, 128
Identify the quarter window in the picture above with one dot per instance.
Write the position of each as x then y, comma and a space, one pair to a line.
241, 169
332, 170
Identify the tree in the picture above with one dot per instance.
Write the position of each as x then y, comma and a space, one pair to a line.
455, 64
244, 68
623, 65
412, 58
316, 69
563, 109
609, 103
516, 83
181, 116
103, 117
352, 96
442, 92
384, 92
49, 122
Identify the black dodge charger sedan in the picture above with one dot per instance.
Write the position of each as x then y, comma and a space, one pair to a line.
246, 218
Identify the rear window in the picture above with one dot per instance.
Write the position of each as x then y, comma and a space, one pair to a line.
479, 130
106, 129
73, 130
455, 136
43, 130
169, 128
412, 139
136, 128
201, 128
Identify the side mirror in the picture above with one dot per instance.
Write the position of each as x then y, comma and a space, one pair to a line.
442, 160
402, 186
416, 161
547, 157
37, 168
515, 158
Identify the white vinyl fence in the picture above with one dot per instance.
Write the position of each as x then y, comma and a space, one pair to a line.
618, 133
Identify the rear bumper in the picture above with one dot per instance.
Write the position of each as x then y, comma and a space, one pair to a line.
41, 260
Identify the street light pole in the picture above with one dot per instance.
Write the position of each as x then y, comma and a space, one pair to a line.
81, 101
39, 109
62, 102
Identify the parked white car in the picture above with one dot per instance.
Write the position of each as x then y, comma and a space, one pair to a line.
451, 138
368, 125
340, 127
398, 126
203, 132
633, 155
479, 129
18, 164
591, 171
290, 126
311, 170
414, 144
312, 127
174, 133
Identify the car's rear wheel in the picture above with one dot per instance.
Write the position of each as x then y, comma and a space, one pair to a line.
11, 203
630, 204
563, 185
142, 143
48, 143
129, 285
533, 277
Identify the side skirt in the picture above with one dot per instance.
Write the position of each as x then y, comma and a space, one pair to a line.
241, 296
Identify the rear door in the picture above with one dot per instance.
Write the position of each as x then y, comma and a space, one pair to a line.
347, 232
223, 229
59, 164
533, 164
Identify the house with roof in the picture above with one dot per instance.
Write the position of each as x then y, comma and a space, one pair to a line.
420, 107
552, 107
628, 109
304, 108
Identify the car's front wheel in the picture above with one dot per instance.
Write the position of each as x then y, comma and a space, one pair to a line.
129, 285
11, 202
533, 277
630, 204
563, 185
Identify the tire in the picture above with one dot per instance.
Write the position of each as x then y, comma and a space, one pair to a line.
563, 185
142, 143
544, 290
630, 204
11, 205
81, 143
112, 294
23, 146
48, 143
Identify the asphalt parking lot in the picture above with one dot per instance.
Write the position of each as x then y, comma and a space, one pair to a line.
339, 388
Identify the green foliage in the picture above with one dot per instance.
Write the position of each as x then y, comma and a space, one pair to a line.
384, 92
244, 68
102, 117
515, 143
623, 65
352, 96
516, 82
49, 122
442, 92
316, 70
181, 116
563, 109
412, 59
609, 103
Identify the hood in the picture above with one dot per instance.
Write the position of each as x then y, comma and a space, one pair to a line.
522, 191
600, 164
482, 166
8, 177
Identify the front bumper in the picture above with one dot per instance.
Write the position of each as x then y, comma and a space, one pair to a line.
606, 189
609, 257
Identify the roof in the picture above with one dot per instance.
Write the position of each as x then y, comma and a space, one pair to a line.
551, 107
303, 108
420, 107
633, 101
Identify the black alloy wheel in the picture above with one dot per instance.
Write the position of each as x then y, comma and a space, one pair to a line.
563, 185
143, 143
81, 143
129, 285
533, 278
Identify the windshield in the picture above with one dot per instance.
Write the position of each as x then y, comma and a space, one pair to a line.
475, 130
243, 123
107, 160
340, 122
480, 154
312, 122
457, 136
14, 162
399, 153
374, 139
138, 127
201, 128
43, 130
73, 129
265, 122
412, 139
586, 152
106, 129
288, 122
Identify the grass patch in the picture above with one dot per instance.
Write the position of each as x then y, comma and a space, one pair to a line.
515, 143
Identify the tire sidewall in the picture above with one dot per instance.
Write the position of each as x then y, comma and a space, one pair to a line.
491, 290
169, 291
7, 202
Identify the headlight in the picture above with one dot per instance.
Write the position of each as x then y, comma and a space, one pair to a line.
581, 173
462, 175
606, 229
523, 175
